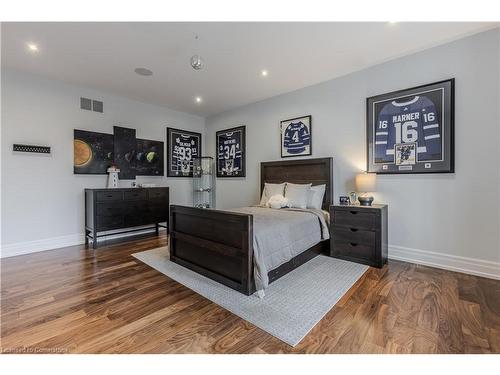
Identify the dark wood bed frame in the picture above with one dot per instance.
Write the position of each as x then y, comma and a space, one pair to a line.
219, 244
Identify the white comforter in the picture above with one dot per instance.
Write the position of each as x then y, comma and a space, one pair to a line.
281, 234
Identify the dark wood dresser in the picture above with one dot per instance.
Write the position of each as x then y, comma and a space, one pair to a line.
359, 233
112, 209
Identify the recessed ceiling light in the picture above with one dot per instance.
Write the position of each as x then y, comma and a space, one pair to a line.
32, 47
198, 99
393, 22
143, 71
264, 73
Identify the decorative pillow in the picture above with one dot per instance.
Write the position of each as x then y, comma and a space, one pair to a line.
315, 198
277, 201
297, 194
270, 190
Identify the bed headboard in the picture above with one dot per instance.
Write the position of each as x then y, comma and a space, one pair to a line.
303, 171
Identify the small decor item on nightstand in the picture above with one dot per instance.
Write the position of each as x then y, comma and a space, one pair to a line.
204, 182
344, 200
353, 197
113, 177
365, 184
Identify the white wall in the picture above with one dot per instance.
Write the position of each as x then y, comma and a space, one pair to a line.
448, 220
42, 200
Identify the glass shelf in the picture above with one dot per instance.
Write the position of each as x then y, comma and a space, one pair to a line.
204, 182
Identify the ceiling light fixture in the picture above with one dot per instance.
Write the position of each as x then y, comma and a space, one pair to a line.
143, 72
264, 73
198, 99
196, 60
32, 47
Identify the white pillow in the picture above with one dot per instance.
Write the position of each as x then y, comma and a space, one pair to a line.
270, 190
315, 198
297, 194
277, 201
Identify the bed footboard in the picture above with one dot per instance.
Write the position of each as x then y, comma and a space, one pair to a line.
216, 244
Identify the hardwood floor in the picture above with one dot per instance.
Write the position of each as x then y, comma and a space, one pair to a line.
74, 300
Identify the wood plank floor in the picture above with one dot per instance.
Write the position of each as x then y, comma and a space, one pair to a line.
74, 300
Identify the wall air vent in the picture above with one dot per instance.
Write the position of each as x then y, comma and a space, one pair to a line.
91, 105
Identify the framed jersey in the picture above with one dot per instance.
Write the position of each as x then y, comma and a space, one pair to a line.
411, 130
231, 152
296, 137
183, 146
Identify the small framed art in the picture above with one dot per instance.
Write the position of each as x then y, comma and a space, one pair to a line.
183, 146
296, 138
231, 152
412, 130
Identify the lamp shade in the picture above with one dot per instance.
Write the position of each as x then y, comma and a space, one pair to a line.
366, 182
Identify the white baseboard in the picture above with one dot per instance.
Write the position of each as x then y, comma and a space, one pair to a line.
28, 247
455, 263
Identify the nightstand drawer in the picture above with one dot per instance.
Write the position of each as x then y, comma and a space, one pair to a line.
355, 219
353, 235
348, 249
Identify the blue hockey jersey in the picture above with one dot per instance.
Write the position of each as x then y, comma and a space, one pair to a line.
414, 121
297, 138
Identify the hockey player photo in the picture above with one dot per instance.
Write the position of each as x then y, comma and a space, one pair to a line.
296, 137
420, 118
231, 152
183, 146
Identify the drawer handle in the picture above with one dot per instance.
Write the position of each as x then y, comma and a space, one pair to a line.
109, 195
353, 229
352, 244
353, 212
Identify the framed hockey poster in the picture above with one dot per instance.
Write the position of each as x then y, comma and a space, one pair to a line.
412, 130
296, 137
231, 152
183, 146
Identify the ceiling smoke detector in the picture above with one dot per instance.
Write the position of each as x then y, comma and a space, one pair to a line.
143, 71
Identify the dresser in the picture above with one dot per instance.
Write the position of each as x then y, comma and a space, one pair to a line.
114, 209
359, 233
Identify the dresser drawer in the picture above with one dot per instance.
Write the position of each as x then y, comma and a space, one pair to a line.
361, 252
136, 207
104, 196
160, 194
355, 219
353, 235
109, 222
109, 209
138, 194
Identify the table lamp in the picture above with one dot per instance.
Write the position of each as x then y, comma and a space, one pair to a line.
365, 183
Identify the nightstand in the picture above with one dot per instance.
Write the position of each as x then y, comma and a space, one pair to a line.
359, 233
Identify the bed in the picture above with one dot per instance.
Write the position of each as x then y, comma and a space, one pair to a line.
220, 244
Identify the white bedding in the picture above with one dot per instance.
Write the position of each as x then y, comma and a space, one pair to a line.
281, 234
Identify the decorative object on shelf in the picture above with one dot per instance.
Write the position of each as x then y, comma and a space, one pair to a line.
353, 197
296, 138
344, 199
149, 158
412, 130
31, 149
92, 152
365, 184
147, 185
231, 152
95, 152
113, 177
203, 182
183, 147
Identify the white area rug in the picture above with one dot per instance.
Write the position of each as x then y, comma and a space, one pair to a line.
293, 305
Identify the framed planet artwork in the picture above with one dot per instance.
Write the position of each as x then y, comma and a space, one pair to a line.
149, 157
93, 152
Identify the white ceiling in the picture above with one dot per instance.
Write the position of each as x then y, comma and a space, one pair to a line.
103, 56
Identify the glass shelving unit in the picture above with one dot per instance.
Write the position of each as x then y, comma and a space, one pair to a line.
204, 182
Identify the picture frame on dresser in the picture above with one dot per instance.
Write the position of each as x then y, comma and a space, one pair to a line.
231, 152
182, 147
296, 137
412, 130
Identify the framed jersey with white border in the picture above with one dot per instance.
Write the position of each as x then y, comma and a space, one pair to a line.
183, 146
296, 138
412, 130
231, 152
